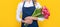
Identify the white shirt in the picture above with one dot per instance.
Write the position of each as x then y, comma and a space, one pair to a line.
27, 4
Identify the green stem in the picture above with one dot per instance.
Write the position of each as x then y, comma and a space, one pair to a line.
26, 25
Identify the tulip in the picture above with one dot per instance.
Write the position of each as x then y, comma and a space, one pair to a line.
45, 12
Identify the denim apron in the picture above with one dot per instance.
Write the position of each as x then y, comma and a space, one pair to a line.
28, 11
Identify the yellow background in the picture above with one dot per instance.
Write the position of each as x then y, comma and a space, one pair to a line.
8, 13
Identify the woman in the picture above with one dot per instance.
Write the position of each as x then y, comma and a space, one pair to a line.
27, 8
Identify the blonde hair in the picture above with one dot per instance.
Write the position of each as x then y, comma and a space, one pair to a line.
34, 1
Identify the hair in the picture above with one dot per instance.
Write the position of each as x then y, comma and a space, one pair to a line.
34, 1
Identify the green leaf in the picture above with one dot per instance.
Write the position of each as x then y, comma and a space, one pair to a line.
37, 12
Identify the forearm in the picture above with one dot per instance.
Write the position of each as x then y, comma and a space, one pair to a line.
18, 19
37, 18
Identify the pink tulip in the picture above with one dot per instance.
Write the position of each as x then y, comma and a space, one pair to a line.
45, 12
46, 16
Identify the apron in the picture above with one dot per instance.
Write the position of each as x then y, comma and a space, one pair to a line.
28, 11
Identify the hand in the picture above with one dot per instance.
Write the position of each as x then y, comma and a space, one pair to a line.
31, 18
27, 20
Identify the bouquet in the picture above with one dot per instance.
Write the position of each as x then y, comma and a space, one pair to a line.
40, 12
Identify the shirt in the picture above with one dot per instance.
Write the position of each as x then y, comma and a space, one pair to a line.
27, 4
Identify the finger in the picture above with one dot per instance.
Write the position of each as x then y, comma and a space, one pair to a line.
23, 21
27, 18
28, 21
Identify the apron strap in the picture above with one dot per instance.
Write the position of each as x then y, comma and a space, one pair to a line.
33, 2
23, 3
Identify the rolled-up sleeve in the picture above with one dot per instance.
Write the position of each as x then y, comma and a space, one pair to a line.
41, 19
19, 10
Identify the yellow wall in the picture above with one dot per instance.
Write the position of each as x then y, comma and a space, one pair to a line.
8, 13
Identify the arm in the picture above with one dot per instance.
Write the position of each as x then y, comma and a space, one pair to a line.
19, 10
38, 18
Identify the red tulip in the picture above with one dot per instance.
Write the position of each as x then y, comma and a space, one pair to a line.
45, 12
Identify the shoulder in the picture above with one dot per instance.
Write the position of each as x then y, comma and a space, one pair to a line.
19, 7
20, 3
38, 5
